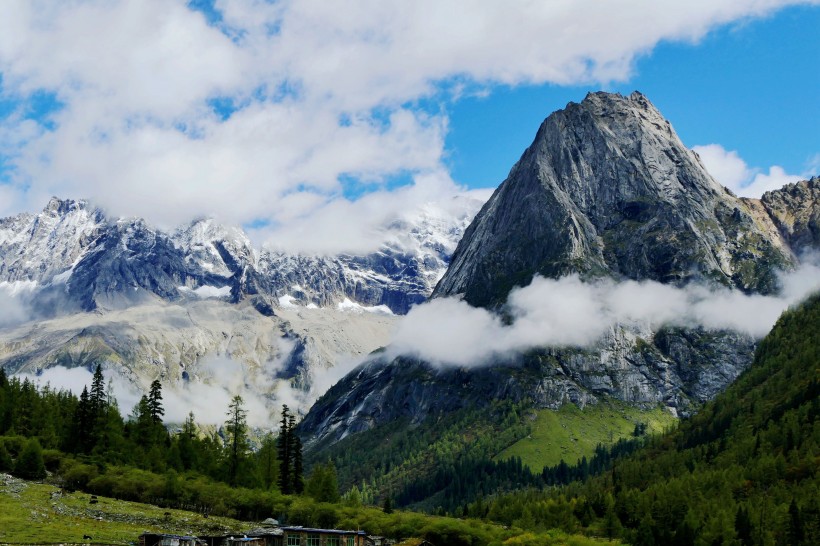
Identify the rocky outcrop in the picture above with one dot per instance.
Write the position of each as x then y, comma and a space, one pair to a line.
795, 209
608, 189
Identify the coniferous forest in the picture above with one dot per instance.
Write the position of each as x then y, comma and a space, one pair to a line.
741, 471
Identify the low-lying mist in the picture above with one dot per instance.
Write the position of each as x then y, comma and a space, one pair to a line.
570, 312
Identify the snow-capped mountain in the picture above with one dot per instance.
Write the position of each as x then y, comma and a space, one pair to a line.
151, 303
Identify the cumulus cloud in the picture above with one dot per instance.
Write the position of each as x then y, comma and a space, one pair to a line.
262, 117
569, 312
728, 168
361, 226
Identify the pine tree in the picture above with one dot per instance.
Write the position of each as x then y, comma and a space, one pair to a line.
236, 427
155, 402
743, 527
97, 395
268, 462
80, 441
283, 444
188, 444
796, 532
295, 445
387, 507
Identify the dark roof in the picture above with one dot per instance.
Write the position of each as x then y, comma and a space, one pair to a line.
324, 531
166, 535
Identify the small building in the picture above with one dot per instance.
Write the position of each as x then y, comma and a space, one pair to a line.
307, 536
264, 537
159, 539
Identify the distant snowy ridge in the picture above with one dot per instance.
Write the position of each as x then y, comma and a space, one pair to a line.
71, 250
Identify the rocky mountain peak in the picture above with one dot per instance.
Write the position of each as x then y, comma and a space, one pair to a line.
795, 209
61, 207
608, 189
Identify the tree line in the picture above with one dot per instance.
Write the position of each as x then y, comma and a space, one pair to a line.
86, 443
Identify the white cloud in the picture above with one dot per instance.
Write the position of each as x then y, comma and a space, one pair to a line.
338, 225
728, 168
322, 92
569, 312
14, 308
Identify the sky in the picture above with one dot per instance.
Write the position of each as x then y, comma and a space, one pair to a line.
292, 119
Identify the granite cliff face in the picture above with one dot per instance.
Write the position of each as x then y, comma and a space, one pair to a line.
795, 209
608, 189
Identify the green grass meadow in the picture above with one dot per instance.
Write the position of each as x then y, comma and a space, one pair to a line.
571, 433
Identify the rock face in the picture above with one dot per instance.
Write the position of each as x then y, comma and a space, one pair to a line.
607, 188
678, 369
795, 209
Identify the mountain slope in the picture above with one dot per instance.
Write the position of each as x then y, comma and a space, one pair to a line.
146, 303
607, 188
744, 470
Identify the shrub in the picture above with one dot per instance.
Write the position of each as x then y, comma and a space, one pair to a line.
29, 464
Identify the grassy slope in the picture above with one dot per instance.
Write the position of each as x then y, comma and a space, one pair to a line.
29, 514
570, 433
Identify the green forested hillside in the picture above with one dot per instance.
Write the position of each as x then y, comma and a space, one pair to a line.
743, 471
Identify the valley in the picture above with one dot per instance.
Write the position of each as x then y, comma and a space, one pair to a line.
514, 360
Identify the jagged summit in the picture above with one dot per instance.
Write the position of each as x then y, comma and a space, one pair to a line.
608, 189
795, 209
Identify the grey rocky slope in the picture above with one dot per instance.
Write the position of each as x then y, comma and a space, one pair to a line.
795, 209
607, 189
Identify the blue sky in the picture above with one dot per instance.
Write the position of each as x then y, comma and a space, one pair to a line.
293, 120
753, 87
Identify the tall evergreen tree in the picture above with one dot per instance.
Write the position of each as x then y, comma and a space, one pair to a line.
268, 462
795, 529
298, 469
97, 395
236, 427
297, 484
188, 447
155, 402
743, 527
80, 440
283, 444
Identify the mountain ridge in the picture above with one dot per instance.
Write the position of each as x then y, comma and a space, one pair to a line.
631, 203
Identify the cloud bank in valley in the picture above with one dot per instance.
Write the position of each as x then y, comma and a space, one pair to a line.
570, 312
213, 383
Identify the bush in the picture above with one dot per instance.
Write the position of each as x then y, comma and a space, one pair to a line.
5, 459
52, 458
29, 464
76, 475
